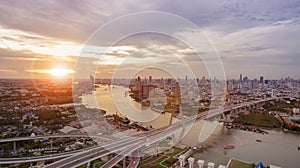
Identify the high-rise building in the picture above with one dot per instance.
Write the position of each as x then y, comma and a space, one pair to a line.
145, 91
274, 93
227, 93
92, 82
177, 97
261, 79
241, 78
139, 86
245, 79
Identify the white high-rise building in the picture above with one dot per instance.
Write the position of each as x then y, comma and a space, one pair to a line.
200, 163
191, 162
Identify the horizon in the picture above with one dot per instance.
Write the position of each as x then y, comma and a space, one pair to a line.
143, 77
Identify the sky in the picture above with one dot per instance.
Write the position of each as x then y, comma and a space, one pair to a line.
254, 38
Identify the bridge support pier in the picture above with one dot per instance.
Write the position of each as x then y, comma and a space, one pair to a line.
124, 163
182, 132
15, 147
31, 165
141, 154
110, 156
156, 149
51, 145
88, 165
173, 139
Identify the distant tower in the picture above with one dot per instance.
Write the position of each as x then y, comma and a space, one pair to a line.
241, 78
176, 100
92, 79
177, 95
227, 94
245, 79
139, 87
261, 79
92, 82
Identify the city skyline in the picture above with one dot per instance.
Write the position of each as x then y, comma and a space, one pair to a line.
253, 38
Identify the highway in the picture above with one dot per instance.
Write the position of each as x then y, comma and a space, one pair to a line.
35, 158
139, 144
173, 128
100, 151
51, 136
123, 154
215, 112
105, 149
42, 158
141, 140
134, 160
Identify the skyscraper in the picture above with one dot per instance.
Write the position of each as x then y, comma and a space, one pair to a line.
261, 79
241, 78
227, 94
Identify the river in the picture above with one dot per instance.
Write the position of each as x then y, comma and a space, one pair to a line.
277, 148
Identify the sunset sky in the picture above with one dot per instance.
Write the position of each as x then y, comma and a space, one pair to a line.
254, 38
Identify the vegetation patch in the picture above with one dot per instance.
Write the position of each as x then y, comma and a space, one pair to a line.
240, 164
282, 106
258, 119
167, 160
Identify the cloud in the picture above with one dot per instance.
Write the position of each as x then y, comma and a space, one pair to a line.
272, 45
76, 20
251, 36
63, 19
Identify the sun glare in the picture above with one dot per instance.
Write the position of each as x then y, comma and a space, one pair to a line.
59, 72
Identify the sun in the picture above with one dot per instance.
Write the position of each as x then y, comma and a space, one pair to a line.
59, 72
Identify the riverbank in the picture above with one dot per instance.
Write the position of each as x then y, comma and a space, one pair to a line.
276, 148
258, 119
246, 128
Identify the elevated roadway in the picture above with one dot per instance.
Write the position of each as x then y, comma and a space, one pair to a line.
51, 136
138, 141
